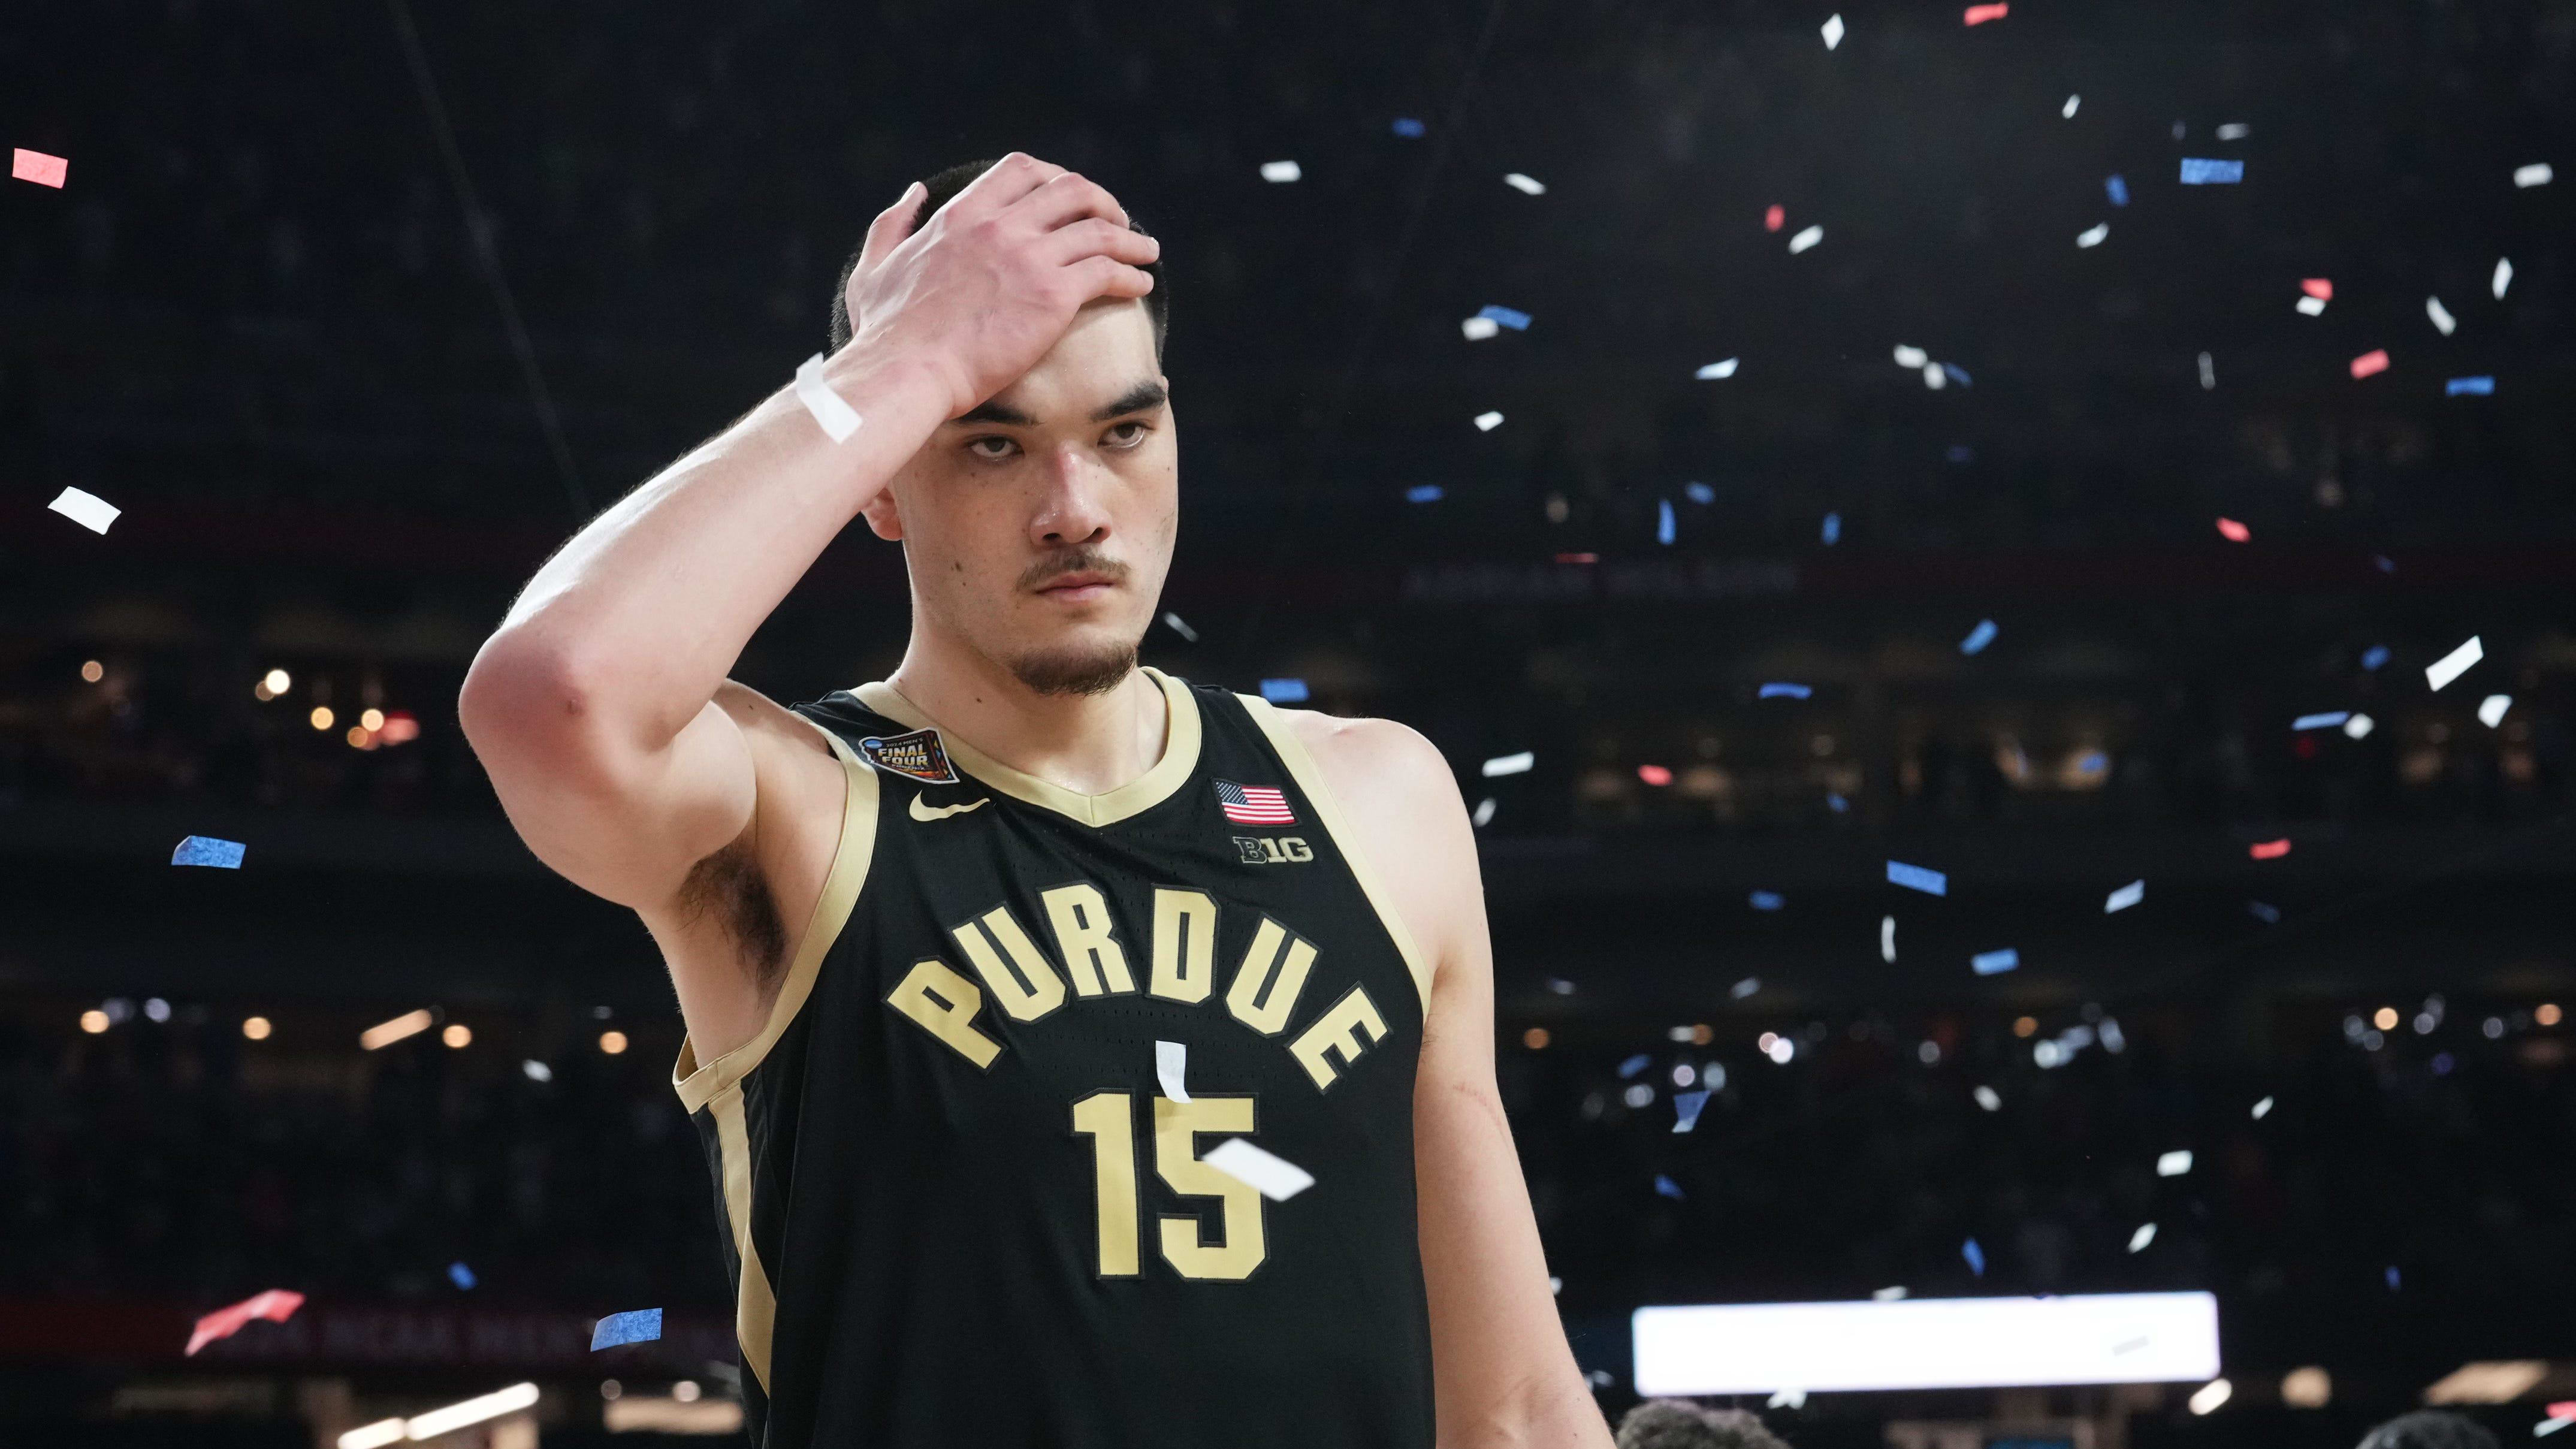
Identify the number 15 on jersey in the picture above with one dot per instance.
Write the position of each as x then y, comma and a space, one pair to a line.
1109, 1120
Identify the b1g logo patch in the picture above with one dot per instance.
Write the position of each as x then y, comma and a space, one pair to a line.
1273, 850
917, 756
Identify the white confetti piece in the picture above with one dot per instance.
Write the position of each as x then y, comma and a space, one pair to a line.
2491, 709
537, 1071
2068, 110
1717, 370
86, 509
1525, 185
1171, 1064
1911, 358
1788, 1399
1887, 939
2125, 897
2503, 277
2441, 315
2454, 664
2312, 306
2359, 726
1990, 1099
1935, 376
830, 410
2235, 131
1519, 764
1487, 422
1888, 1295
1815, 234
1477, 329
2094, 235
2262, 1108
1484, 815
2145, 1234
2174, 1163
1180, 628
1277, 1178
2208, 373
2537, 173
1833, 30
1281, 171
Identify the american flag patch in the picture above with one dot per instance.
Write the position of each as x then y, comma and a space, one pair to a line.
1253, 804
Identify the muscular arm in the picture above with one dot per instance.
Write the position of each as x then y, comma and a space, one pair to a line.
1504, 1375
600, 707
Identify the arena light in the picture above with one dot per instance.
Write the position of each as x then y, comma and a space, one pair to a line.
386, 1033
1926, 1343
472, 1411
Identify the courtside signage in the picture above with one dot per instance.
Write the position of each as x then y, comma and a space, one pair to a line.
1926, 1343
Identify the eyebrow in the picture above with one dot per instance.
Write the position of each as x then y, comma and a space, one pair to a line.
1143, 397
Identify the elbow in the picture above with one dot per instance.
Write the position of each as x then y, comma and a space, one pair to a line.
524, 697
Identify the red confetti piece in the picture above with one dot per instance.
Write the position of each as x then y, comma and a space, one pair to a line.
1980, 14
2370, 362
2563, 1409
38, 167
1578, 558
2233, 531
2269, 849
1776, 218
2319, 288
276, 1305
1654, 774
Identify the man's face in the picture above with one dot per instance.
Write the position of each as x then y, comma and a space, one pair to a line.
1039, 526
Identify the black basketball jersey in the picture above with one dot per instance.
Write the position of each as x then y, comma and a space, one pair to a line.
963, 1209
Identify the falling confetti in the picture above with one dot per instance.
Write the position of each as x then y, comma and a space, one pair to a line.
1833, 31
2269, 849
1911, 358
2094, 235
1995, 963
1663, 520
1519, 764
1716, 370
1173, 622
1980, 14
1655, 775
2324, 721
1284, 691
1887, 938
1423, 493
2201, 171
2503, 277
2454, 664
2491, 710
86, 509
1975, 1256
640, 1325
2174, 1163
1477, 329
1276, 1177
2117, 188
2443, 321
1989, 1099
1686, 1108
1171, 1067
2358, 727
1833, 529
2233, 531
1526, 186
1806, 239
2262, 1109
2125, 897
207, 850
2208, 373
1917, 878
1511, 317
1787, 1399
1484, 815
2145, 1234
1767, 900
1784, 691
2538, 173
1408, 128
276, 1305
1978, 637
1775, 217
460, 1275
2068, 110
1666, 1187
1281, 171
2469, 387
2375, 657
2268, 914
537, 1071
2235, 131
36, 166
2370, 364
1487, 422
1744, 988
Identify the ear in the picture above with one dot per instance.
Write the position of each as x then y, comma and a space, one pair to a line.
884, 519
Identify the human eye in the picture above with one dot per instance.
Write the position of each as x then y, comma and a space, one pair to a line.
1128, 434
992, 447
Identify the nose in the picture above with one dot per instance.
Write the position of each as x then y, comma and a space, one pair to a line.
1072, 513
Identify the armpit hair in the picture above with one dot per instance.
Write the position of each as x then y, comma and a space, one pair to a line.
730, 886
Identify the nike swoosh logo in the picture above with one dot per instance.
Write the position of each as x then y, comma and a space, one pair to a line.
942, 812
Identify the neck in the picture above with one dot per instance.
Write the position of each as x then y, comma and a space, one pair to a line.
1087, 743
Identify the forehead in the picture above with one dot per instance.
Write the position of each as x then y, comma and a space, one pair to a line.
1108, 349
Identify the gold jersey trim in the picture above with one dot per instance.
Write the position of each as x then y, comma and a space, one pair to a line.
755, 1311
1152, 788
698, 1085
1328, 810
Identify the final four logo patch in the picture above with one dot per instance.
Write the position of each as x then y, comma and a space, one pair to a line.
918, 756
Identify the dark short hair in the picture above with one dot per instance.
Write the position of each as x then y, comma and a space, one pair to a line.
943, 188
2431, 1429
1681, 1424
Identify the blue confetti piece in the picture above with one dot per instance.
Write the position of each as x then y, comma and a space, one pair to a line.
2093, 762
1699, 493
1663, 520
1423, 493
1284, 691
1633, 1065
2374, 657
2202, 171
1916, 878
1978, 637
1838, 803
2325, 721
2469, 386
1513, 318
1785, 691
1995, 963
643, 1325
1409, 128
1686, 1108
2117, 189
1959, 375
2269, 915
1671, 1189
1833, 529
460, 1275
1768, 900
1975, 1255
206, 850
2392, 1277
1960, 452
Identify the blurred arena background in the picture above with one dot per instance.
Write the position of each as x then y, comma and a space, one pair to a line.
357, 311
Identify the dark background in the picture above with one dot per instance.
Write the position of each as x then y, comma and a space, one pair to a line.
257, 319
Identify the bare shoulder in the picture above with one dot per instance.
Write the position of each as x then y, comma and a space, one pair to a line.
767, 722
1363, 758
1402, 808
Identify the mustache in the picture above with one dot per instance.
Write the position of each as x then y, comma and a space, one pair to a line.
1073, 561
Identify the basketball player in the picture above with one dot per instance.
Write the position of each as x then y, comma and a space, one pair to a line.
931, 936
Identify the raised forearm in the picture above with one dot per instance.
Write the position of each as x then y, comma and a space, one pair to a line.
636, 621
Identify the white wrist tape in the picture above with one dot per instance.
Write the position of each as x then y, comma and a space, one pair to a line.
838, 418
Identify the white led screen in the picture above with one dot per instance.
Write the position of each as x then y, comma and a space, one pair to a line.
1927, 1343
